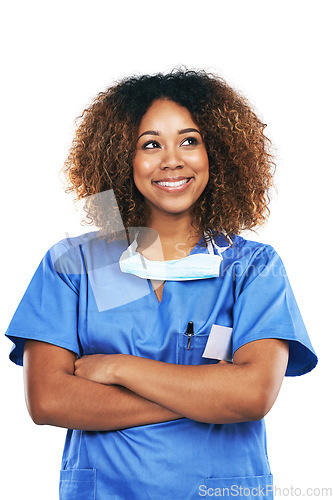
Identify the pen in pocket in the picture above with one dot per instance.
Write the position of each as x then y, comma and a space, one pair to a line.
189, 333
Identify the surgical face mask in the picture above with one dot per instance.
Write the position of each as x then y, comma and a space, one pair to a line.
193, 267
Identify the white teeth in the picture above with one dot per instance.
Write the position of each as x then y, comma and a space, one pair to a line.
172, 184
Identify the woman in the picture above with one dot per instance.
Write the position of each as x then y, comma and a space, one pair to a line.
164, 344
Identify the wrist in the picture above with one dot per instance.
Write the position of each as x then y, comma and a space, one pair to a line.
119, 369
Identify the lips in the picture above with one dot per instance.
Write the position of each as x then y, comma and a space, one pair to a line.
173, 182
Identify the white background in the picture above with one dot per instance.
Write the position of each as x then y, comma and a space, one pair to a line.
56, 56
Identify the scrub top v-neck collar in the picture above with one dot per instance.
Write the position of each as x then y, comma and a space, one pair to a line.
153, 290
197, 246
151, 287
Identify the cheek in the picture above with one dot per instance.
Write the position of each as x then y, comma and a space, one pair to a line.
141, 174
142, 167
203, 165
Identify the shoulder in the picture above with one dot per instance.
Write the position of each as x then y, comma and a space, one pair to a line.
248, 260
245, 251
74, 255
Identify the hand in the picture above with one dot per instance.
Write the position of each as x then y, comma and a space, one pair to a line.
99, 368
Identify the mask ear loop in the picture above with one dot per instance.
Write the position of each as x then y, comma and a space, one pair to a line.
219, 250
133, 246
210, 247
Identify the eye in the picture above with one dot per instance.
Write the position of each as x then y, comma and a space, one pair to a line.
150, 145
190, 141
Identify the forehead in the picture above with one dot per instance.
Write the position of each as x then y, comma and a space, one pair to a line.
164, 114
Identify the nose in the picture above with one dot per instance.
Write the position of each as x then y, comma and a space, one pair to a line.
171, 159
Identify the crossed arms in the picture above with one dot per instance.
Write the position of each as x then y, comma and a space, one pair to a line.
109, 392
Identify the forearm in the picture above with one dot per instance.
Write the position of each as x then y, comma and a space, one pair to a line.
55, 396
218, 393
76, 403
221, 393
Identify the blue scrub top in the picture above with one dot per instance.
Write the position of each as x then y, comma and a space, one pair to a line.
80, 300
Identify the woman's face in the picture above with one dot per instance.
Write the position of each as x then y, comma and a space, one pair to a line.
170, 166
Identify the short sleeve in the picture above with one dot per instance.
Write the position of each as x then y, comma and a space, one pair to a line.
48, 310
265, 307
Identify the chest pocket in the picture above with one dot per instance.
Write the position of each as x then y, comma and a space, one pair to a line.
199, 349
190, 350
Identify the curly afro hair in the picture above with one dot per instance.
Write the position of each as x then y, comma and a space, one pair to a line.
240, 164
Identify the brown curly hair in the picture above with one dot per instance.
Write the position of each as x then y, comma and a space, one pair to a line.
240, 163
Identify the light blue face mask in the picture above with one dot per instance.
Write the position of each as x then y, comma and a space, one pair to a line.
193, 267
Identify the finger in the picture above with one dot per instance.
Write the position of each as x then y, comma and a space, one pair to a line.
78, 361
77, 366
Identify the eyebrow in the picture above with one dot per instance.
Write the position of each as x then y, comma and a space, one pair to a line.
182, 131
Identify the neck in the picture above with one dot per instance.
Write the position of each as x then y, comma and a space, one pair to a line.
176, 237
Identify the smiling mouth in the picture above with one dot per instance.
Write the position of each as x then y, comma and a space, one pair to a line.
173, 183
